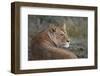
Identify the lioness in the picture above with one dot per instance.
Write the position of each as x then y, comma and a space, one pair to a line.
49, 44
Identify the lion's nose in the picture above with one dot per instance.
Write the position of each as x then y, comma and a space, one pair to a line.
68, 40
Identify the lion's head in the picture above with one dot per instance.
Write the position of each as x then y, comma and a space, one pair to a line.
58, 35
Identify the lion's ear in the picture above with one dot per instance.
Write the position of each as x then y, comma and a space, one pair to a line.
63, 27
52, 28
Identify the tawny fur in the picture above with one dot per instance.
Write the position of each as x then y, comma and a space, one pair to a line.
43, 48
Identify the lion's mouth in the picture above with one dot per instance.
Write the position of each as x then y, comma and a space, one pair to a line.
66, 45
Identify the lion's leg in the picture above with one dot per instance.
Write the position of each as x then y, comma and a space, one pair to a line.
57, 53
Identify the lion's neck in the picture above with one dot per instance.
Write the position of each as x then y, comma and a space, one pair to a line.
45, 39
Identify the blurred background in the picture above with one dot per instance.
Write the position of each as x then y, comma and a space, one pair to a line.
77, 28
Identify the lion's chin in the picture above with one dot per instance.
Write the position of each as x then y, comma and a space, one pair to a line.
66, 45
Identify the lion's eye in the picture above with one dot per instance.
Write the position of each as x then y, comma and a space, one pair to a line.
61, 34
